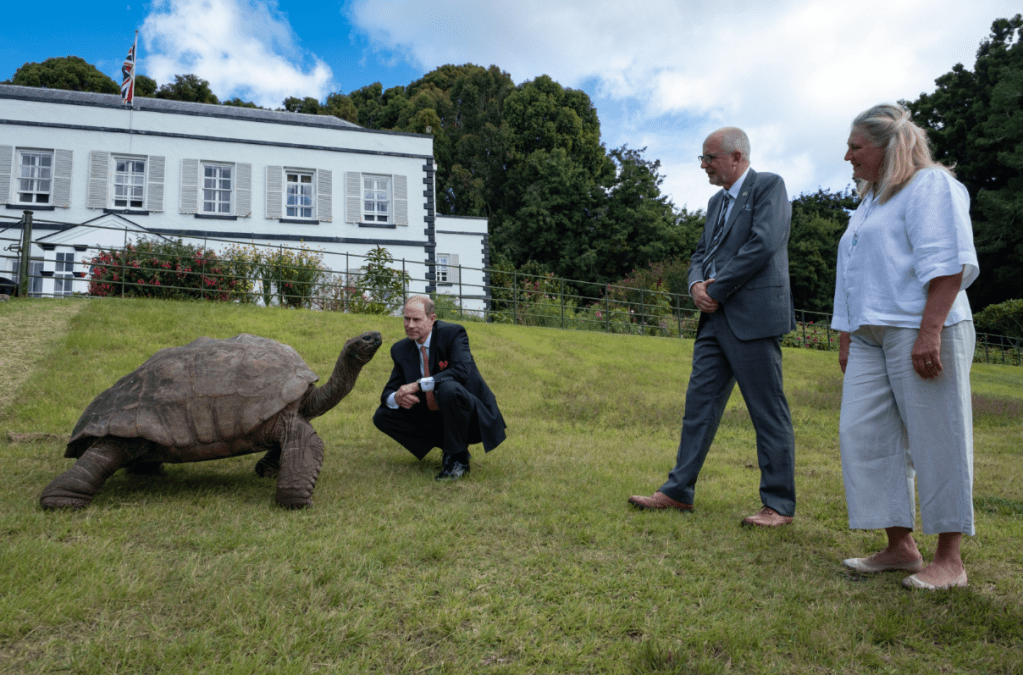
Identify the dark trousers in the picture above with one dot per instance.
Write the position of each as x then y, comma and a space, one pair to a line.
419, 429
719, 361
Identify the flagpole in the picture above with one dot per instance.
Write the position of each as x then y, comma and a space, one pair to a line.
131, 90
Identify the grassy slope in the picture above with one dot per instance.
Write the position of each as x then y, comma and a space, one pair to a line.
534, 564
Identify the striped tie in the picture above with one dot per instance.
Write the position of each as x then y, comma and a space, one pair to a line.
431, 402
715, 239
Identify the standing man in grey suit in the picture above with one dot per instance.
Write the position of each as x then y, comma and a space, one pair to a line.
739, 279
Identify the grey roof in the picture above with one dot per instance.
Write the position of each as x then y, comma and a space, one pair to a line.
88, 98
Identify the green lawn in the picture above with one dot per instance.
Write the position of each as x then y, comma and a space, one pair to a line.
534, 564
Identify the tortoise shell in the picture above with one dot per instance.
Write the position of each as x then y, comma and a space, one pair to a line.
205, 393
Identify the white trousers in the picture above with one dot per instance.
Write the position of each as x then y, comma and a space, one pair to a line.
896, 425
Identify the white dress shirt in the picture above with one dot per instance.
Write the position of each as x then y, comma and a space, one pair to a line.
890, 252
425, 383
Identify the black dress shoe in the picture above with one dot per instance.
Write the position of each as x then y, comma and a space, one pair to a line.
453, 469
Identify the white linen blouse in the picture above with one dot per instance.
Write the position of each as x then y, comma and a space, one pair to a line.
890, 252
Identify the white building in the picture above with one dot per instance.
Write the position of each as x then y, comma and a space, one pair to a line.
96, 173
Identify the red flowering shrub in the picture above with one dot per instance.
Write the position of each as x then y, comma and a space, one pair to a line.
165, 269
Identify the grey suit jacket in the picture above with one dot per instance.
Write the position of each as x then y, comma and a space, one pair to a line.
752, 260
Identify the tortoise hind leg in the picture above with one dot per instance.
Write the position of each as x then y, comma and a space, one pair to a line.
75, 488
301, 459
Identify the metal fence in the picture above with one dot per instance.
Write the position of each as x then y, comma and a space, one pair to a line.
301, 277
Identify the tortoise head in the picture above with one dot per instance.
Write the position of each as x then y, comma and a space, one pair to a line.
362, 348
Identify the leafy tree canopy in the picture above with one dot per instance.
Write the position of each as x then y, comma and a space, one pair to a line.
975, 121
64, 72
145, 86
238, 103
191, 88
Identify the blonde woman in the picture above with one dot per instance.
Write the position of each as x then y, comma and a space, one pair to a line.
907, 342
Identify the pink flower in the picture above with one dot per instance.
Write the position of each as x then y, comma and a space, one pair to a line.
443, 365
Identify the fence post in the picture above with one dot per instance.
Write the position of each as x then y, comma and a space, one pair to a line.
404, 287
124, 258
26, 257
642, 310
607, 312
515, 297
561, 294
461, 300
802, 315
678, 309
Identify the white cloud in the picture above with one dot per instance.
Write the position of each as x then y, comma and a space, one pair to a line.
243, 48
792, 73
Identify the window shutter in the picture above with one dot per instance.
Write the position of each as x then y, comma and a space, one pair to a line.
274, 192
324, 195
189, 186
453, 271
400, 184
243, 195
99, 179
353, 197
154, 186
6, 167
62, 178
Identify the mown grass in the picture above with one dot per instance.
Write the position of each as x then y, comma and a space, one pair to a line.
534, 564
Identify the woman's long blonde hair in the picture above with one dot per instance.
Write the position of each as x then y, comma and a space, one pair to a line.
906, 150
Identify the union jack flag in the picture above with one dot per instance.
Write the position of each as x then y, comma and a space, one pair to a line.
128, 73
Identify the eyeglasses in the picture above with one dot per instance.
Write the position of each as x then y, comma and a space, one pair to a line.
707, 158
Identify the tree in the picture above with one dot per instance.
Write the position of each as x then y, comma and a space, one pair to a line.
975, 120
554, 189
64, 72
339, 105
238, 103
145, 86
637, 226
191, 88
307, 105
818, 221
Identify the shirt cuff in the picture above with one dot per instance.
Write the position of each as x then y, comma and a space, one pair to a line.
698, 281
390, 401
426, 383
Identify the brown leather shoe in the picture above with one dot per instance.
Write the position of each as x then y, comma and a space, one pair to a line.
658, 501
767, 517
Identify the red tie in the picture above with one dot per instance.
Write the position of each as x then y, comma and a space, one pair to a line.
431, 402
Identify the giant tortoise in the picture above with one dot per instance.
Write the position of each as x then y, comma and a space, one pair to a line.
208, 400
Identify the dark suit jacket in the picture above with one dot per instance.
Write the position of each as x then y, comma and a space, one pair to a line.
752, 260
449, 344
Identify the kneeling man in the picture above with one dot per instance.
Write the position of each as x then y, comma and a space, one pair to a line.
436, 396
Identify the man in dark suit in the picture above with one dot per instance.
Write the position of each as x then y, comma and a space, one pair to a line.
739, 279
436, 396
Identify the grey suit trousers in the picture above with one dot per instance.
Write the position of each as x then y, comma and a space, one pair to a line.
719, 361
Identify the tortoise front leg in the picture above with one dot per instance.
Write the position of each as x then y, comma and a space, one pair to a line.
75, 488
269, 464
301, 459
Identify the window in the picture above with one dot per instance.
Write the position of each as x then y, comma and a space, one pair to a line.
62, 275
300, 195
129, 183
35, 176
376, 198
447, 268
35, 276
211, 189
216, 188
442, 268
125, 183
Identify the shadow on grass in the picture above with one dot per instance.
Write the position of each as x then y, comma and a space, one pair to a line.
179, 484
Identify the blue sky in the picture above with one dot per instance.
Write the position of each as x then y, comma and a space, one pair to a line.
662, 73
